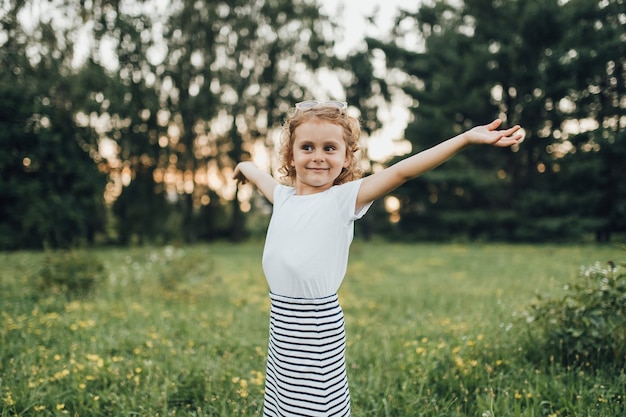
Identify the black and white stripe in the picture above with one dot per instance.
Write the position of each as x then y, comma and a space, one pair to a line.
306, 368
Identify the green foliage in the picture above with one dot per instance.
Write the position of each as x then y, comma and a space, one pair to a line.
238, 65
50, 186
179, 270
228, 74
555, 67
190, 391
190, 90
585, 326
74, 273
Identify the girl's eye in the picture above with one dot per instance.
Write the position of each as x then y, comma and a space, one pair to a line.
307, 147
330, 148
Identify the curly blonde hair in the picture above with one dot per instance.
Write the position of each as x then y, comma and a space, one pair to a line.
351, 135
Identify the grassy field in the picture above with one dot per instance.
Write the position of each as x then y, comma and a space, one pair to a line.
433, 330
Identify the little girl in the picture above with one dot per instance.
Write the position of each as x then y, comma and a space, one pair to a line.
306, 248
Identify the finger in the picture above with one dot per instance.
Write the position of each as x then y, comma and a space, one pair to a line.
509, 140
512, 130
505, 143
494, 125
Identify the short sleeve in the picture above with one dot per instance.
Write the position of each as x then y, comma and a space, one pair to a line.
281, 192
346, 197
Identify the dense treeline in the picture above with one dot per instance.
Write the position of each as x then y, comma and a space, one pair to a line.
120, 121
558, 69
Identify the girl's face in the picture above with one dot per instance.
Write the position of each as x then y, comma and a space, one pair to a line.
319, 155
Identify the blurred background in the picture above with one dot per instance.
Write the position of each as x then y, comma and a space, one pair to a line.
121, 121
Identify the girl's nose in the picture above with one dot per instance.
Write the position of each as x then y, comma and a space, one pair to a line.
319, 156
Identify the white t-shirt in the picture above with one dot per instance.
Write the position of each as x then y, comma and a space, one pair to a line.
308, 240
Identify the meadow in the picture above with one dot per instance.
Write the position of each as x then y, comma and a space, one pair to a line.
433, 330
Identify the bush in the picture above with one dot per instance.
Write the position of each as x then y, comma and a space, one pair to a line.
179, 269
587, 326
72, 273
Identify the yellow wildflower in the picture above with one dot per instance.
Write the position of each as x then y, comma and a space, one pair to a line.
8, 400
243, 388
95, 359
257, 378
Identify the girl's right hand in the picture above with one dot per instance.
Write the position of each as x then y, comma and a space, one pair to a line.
246, 172
238, 175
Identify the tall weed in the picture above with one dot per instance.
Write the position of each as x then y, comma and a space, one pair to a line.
586, 326
74, 273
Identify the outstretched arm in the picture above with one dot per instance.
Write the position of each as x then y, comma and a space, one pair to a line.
264, 182
381, 183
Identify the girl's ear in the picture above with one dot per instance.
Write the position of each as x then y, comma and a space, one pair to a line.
348, 160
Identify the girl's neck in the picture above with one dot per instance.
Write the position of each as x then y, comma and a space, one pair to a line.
304, 190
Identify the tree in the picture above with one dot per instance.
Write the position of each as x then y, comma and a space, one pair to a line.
129, 101
235, 68
596, 57
543, 64
199, 87
178, 95
50, 187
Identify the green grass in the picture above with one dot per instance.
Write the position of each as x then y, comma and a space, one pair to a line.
433, 330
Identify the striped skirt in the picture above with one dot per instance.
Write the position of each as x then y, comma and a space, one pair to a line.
306, 368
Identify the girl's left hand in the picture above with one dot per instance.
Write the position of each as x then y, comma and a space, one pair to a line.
490, 135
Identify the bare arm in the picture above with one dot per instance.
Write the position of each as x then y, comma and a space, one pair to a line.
379, 184
264, 182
